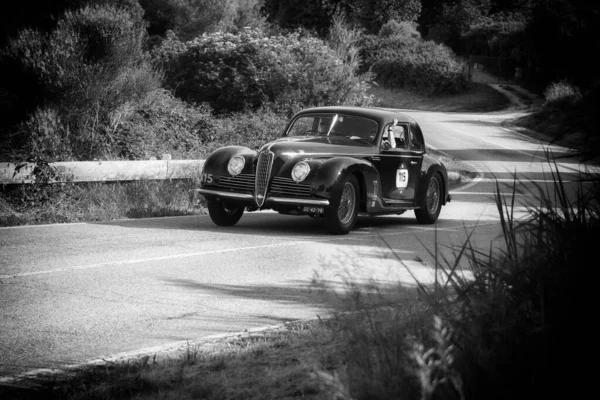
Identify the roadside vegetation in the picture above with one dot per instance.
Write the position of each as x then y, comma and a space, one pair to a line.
568, 116
127, 79
507, 330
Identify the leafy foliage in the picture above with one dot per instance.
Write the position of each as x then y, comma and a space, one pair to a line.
250, 70
88, 71
191, 18
400, 59
165, 124
316, 15
513, 320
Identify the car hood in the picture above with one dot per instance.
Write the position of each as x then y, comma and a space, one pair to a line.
290, 147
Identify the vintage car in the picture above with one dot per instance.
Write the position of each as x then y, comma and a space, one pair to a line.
330, 163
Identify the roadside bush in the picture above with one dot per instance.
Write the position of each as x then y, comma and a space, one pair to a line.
423, 67
561, 94
400, 59
393, 34
394, 28
249, 70
165, 124
90, 69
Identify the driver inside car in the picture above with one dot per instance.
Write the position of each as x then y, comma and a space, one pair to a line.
324, 125
394, 137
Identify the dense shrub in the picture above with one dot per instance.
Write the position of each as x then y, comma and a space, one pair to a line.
560, 94
420, 66
391, 35
399, 28
250, 70
192, 18
89, 70
165, 124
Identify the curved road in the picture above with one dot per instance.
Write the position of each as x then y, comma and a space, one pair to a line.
76, 292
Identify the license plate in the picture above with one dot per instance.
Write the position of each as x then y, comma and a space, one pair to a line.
313, 210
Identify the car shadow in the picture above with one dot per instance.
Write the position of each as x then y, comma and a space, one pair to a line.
266, 223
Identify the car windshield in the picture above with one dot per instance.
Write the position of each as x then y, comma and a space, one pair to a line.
357, 128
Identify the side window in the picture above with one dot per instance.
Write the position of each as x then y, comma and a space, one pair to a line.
415, 139
395, 137
400, 136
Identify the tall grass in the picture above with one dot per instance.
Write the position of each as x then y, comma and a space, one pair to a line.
96, 201
513, 328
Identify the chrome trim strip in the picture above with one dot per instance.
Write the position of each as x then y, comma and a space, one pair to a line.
392, 201
230, 195
358, 155
286, 200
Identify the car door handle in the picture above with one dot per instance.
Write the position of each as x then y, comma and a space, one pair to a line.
413, 163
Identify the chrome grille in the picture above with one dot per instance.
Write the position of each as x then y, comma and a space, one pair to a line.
242, 182
263, 171
286, 187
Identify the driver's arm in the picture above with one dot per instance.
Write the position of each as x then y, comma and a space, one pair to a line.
390, 138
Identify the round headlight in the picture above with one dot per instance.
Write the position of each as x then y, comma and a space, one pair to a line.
300, 171
236, 165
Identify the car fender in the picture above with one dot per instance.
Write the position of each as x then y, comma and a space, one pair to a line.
430, 167
335, 171
216, 163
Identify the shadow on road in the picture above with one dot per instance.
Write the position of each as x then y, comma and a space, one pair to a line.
328, 295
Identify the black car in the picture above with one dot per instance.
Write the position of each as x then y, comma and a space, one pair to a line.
330, 163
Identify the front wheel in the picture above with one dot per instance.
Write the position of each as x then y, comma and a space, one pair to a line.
431, 203
340, 218
223, 214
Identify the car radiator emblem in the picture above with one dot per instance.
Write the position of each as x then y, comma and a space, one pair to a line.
263, 171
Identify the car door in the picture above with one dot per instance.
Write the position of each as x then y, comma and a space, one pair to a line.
400, 164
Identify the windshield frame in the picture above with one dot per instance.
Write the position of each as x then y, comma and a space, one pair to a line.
349, 126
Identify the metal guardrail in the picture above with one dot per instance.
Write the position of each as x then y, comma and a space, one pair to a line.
104, 171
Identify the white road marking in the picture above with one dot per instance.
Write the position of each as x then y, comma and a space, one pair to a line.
497, 144
107, 222
488, 193
366, 235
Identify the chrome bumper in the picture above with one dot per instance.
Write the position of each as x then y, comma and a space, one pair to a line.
269, 201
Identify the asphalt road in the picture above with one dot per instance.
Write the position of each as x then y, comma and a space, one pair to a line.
75, 292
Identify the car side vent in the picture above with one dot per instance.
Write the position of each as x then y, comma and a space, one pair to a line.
263, 171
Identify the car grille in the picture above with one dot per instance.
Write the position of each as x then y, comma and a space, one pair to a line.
286, 187
263, 171
243, 182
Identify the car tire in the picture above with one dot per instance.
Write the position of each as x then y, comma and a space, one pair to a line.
341, 216
431, 203
224, 215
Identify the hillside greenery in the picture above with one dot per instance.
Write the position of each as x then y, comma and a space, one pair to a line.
129, 79
81, 74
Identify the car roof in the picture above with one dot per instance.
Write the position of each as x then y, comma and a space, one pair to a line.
381, 114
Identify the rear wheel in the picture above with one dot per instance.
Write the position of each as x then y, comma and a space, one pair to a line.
431, 203
341, 216
223, 214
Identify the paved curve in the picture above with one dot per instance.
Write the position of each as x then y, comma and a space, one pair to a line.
74, 292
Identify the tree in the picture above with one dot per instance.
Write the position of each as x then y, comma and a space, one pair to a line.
84, 73
563, 35
191, 18
317, 15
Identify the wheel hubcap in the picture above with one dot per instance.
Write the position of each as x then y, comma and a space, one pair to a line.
433, 195
347, 203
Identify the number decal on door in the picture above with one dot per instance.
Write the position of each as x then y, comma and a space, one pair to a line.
401, 178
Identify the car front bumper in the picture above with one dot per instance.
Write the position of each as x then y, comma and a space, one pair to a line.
270, 201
